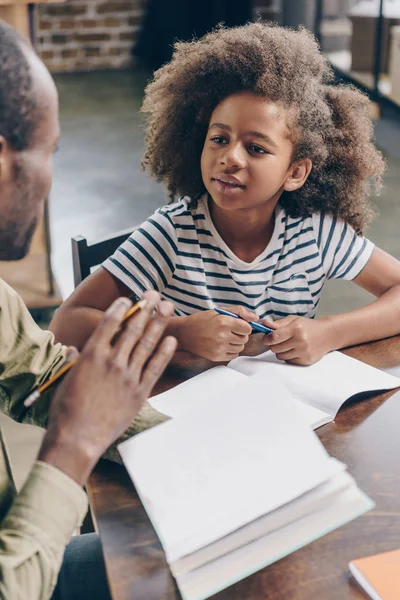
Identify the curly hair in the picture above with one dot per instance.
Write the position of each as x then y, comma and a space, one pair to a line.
18, 113
329, 124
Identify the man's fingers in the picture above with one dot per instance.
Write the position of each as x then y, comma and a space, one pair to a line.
72, 353
157, 363
151, 336
134, 327
110, 323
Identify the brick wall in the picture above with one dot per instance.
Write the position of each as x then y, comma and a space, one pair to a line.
96, 34
88, 34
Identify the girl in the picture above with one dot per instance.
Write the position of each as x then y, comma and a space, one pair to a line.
272, 165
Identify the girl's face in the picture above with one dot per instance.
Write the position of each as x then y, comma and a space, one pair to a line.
246, 158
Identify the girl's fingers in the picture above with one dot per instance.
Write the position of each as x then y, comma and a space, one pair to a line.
283, 347
151, 337
290, 355
158, 363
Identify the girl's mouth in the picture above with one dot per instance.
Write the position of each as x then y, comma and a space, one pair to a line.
227, 187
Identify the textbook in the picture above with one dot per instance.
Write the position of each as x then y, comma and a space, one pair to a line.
378, 575
234, 486
319, 390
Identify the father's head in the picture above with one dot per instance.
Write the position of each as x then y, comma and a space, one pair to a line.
29, 131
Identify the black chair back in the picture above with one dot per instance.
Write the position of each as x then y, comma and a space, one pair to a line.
85, 256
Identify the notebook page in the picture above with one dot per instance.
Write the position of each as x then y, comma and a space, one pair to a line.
326, 384
191, 394
206, 473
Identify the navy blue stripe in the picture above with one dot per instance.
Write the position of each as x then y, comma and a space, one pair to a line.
314, 281
188, 255
188, 281
189, 304
182, 240
286, 314
187, 268
149, 258
211, 247
188, 293
313, 269
355, 259
321, 226
158, 248
127, 273
266, 314
271, 254
292, 302
313, 294
297, 262
288, 290
328, 241
164, 234
140, 268
214, 261
199, 218
179, 226
215, 288
294, 224
345, 257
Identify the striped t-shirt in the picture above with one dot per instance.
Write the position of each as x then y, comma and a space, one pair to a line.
179, 252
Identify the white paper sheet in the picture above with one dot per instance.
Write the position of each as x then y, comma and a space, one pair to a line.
208, 472
325, 384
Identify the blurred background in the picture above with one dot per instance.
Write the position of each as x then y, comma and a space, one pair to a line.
102, 53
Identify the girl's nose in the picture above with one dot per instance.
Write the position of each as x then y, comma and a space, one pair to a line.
233, 157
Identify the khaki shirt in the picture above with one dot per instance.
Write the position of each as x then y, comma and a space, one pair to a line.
37, 523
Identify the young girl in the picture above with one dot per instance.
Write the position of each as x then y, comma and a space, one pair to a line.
272, 165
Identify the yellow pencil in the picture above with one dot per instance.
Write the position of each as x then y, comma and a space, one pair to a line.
65, 368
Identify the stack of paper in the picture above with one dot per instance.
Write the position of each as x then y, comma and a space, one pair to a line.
237, 484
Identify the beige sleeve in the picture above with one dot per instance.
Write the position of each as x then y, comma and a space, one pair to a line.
35, 532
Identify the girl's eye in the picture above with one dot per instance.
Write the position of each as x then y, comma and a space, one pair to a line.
218, 139
257, 149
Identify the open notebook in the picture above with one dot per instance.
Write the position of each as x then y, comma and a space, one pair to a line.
234, 485
320, 389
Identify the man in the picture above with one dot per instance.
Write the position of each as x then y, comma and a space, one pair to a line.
98, 398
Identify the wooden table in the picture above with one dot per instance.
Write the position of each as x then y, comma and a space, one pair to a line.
365, 435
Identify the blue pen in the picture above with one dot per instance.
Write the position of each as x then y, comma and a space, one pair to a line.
256, 327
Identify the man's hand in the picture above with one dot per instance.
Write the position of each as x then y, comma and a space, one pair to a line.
299, 340
104, 391
214, 336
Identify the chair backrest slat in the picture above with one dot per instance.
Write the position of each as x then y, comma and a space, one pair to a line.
85, 256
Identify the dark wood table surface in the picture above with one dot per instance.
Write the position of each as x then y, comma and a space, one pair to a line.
365, 436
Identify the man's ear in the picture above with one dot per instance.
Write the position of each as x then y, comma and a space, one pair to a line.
297, 175
7, 155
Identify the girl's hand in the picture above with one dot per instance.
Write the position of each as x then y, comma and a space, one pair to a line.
216, 337
298, 340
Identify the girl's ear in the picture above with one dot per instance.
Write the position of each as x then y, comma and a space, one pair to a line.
297, 175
